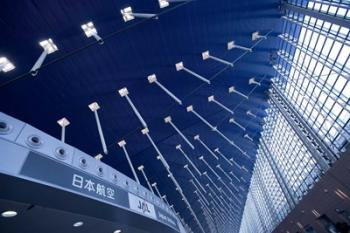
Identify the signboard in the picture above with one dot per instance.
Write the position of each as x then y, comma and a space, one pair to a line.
49, 171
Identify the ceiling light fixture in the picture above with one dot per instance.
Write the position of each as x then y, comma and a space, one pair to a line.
6, 65
180, 66
129, 15
166, 3
256, 36
94, 107
49, 47
90, 31
117, 231
232, 45
64, 122
78, 224
9, 214
206, 55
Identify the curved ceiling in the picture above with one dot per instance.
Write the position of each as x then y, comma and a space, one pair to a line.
82, 71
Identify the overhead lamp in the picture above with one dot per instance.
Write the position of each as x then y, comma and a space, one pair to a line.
212, 99
90, 31
129, 15
252, 81
64, 122
153, 79
94, 107
206, 55
180, 66
256, 36
249, 113
99, 157
166, 3
6, 65
233, 45
122, 144
9, 214
233, 89
78, 224
117, 231
49, 47
141, 169
168, 120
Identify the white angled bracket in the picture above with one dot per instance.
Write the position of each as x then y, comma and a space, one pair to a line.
223, 156
234, 90
122, 144
169, 121
125, 93
190, 109
94, 107
212, 99
166, 3
160, 156
206, 55
6, 65
252, 81
178, 147
64, 122
129, 15
205, 146
153, 79
90, 31
141, 169
180, 66
210, 168
49, 47
248, 137
232, 45
233, 121
256, 36
194, 177
249, 113
99, 157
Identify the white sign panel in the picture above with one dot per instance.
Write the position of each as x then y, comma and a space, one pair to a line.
142, 206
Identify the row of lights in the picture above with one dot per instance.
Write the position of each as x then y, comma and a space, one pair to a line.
12, 213
90, 31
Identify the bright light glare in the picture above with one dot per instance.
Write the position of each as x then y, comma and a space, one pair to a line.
9, 214
48, 45
5, 65
89, 29
163, 3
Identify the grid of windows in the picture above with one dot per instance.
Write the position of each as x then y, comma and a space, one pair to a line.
312, 73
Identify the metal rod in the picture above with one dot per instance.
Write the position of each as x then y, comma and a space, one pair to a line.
100, 132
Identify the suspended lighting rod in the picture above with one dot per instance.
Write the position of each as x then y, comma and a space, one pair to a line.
234, 90
212, 99
141, 169
248, 137
122, 144
129, 15
94, 107
252, 81
160, 156
210, 168
233, 121
99, 157
256, 36
49, 47
178, 147
166, 3
249, 113
169, 120
153, 79
125, 93
154, 185
90, 31
195, 178
6, 65
212, 182
232, 45
206, 55
223, 156
180, 66
190, 109
205, 146
64, 122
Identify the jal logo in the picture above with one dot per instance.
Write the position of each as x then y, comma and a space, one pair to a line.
144, 207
